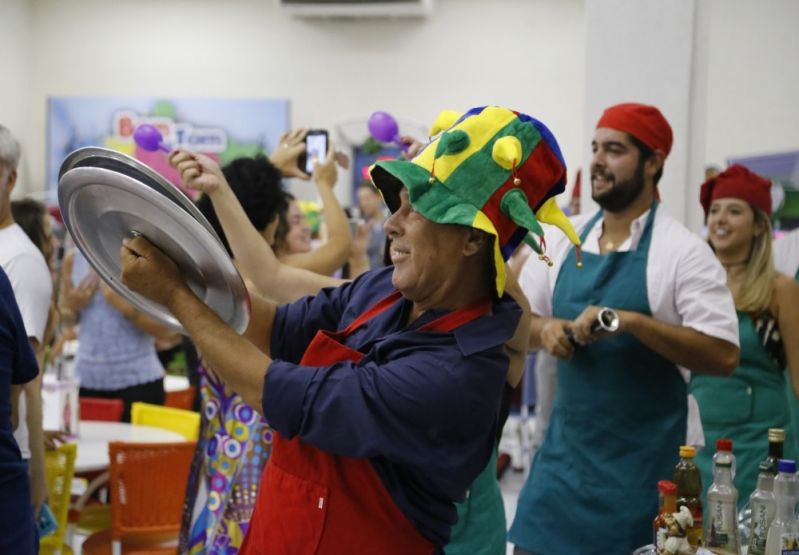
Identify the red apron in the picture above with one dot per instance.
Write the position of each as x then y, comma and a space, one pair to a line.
313, 502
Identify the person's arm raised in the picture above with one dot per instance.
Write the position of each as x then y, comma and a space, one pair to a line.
149, 272
278, 282
333, 254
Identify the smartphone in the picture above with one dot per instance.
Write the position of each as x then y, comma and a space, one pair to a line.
315, 150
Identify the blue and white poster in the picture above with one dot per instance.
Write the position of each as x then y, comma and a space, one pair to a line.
224, 129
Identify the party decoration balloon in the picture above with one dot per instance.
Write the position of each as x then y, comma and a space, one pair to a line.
149, 138
383, 127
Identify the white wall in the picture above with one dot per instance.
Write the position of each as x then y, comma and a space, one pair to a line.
753, 78
652, 52
14, 63
526, 54
529, 54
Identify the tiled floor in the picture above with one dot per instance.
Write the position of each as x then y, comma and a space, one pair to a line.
511, 485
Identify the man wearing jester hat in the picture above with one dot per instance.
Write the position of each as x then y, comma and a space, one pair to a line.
650, 302
384, 391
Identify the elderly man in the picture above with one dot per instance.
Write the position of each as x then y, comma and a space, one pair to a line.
30, 278
661, 302
385, 391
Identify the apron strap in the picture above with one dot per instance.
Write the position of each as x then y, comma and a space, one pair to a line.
457, 318
445, 323
378, 308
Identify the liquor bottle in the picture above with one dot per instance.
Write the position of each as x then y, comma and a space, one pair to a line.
689, 490
724, 449
763, 507
722, 500
776, 439
667, 491
783, 535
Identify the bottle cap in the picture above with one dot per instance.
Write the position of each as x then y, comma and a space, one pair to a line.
667, 487
687, 451
724, 444
787, 465
776, 434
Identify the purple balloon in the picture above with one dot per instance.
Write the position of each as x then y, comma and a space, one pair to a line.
384, 128
149, 138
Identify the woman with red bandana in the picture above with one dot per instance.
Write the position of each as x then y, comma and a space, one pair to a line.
737, 206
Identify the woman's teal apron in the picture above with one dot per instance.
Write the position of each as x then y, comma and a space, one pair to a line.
481, 518
793, 403
743, 407
618, 420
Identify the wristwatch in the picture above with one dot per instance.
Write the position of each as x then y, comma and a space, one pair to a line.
607, 320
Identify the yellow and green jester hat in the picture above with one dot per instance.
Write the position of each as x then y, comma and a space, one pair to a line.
491, 168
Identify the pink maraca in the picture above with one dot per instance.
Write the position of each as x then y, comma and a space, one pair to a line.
383, 127
149, 138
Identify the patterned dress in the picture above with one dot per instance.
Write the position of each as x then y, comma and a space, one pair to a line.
235, 443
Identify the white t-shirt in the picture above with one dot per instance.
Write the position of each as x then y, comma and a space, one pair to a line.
686, 284
30, 278
786, 253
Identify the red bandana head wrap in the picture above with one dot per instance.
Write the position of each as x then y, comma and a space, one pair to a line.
643, 122
737, 182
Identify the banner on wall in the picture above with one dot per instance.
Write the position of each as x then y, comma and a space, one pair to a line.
224, 129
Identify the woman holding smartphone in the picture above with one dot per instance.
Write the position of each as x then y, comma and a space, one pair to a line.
236, 442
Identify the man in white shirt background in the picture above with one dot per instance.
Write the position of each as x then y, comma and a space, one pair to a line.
620, 411
30, 278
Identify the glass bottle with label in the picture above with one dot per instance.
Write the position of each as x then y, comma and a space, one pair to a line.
721, 535
667, 491
763, 507
783, 534
724, 449
689, 490
776, 440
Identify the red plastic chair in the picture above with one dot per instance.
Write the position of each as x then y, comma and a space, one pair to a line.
96, 516
181, 399
148, 484
96, 408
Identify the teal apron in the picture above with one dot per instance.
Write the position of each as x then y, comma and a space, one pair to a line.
793, 403
618, 420
481, 518
742, 408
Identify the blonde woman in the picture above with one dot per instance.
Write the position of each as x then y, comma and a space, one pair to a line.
744, 406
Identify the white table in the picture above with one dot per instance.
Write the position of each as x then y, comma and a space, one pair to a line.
95, 436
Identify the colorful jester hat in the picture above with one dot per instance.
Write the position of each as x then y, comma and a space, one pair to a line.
492, 169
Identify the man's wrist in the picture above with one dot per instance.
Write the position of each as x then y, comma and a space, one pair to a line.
181, 297
627, 320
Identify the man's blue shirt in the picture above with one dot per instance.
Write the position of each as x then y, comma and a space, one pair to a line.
421, 405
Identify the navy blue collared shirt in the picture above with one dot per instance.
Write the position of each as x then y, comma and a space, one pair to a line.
421, 405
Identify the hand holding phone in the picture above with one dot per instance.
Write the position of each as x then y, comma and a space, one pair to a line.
316, 143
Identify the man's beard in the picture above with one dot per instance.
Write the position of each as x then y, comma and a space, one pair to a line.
623, 193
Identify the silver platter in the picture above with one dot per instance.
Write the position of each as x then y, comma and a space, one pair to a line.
101, 206
98, 157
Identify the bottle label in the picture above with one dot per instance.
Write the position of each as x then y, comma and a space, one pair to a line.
660, 538
723, 523
789, 543
762, 515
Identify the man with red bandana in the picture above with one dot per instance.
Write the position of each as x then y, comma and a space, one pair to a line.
649, 301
